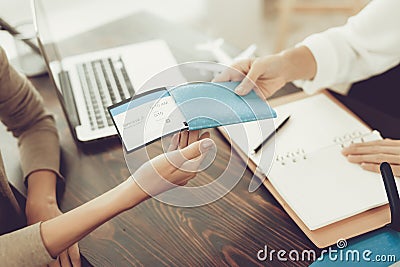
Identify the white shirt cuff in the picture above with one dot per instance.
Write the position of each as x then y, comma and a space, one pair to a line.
326, 58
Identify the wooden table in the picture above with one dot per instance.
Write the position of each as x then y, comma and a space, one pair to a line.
229, 231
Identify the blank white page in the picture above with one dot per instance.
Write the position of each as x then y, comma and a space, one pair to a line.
323, 188
326, 188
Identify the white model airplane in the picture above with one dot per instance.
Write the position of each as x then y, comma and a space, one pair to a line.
215, 47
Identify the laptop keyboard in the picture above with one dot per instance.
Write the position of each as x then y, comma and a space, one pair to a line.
104, 83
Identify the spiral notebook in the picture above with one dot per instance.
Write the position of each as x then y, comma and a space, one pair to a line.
309, 176
322, 187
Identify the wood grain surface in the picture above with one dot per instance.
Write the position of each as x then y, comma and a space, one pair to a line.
227, 232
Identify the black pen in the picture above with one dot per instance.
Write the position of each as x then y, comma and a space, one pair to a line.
392, 195
272, 134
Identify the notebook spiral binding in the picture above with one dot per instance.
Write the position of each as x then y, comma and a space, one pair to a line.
300, 153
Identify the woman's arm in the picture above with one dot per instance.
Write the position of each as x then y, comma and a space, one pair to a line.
162, 173
156, 176
22, 111
81, 221
266, 75
368, 44
32, 245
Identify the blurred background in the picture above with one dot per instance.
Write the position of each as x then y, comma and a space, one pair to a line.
271, 24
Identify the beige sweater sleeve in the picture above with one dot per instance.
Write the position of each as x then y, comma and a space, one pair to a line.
16, 251
21, 110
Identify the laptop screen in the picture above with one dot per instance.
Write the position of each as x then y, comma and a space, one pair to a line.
47, 43
47, 29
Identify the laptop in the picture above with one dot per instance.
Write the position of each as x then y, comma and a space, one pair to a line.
89, 83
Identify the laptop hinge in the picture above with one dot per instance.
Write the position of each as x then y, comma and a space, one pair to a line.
69, 99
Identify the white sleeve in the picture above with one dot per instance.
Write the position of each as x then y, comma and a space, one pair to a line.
368, 44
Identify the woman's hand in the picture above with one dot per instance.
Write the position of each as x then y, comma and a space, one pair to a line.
164, 172
185, 138
371, 154
270, 73
267, 73
176, 167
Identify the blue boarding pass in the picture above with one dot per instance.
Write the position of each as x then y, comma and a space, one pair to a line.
151, 115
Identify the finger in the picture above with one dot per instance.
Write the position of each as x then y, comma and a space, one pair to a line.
396, 170
224, 76
370, 167
196, 149
232, 73
249, 81
64, 259
237, 78
373, 149
74, 255
192, 166
374, 158
55, 263
376, 168
183, 140
183, 183
179, 157
174, 143
193, 136
204, 135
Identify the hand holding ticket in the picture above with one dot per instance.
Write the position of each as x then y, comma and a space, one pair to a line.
193, 106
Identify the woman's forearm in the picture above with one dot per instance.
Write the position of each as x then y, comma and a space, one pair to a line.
41, 188
63, 231
299, 64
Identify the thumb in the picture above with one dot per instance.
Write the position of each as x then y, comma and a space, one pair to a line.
197, 148
248, 82
192, 151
